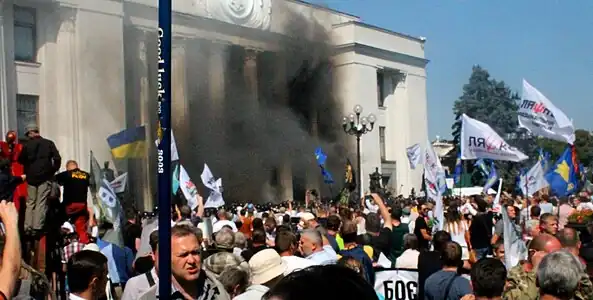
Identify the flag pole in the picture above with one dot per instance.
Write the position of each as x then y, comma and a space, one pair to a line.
164, 148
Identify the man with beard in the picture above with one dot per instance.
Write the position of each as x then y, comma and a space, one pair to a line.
421, 229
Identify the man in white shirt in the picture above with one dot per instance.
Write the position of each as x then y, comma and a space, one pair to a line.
138, 285
223, 220
286, 245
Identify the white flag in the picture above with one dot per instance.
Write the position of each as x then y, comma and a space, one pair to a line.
436, 185
414, 155
119, 183
479, 140
538, 115
215, 186
188, 188
207, 178
174, 153
534, 180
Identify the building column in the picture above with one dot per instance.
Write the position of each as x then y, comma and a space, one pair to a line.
179, 97
285, 176
250, 77
69, 135
217, 61
145, 186
4, 62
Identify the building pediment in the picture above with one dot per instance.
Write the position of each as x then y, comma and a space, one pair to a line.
247, 13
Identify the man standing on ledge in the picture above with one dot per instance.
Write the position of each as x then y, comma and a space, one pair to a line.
41, 161
76, 186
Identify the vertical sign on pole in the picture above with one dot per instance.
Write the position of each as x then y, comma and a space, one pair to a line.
164, 147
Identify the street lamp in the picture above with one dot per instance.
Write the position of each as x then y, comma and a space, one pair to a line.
356, 125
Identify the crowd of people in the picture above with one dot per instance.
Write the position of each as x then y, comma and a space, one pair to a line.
306, 249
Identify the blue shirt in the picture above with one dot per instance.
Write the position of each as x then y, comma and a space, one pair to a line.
323, 257
119, 261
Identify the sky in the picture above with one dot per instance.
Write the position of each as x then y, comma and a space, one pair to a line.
547, 42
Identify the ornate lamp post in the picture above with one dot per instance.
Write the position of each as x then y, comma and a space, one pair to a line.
356, 125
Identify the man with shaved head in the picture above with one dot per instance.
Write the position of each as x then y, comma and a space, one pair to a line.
569, 238
521, 280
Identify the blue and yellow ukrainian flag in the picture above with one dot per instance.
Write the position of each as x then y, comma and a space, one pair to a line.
562, 176
128, 143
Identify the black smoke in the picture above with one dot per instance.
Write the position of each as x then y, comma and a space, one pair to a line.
244, 139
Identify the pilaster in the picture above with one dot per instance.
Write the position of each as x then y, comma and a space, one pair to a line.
68, 136
7, 69
250, 77
217, 61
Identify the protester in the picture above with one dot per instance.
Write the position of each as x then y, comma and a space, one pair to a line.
488, 278
41, 160
421, 227
446, 284
188, 278
87, 273
287, 246
548, 223
521, 281
76, 185
267, 269
409, 258
559, 275
140, 284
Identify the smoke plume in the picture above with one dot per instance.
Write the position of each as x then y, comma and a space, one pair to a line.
245, 140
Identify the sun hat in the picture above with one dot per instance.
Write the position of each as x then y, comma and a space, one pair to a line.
266, 265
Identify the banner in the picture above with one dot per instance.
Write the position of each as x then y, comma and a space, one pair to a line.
479, 140
534, 180
538, 115
188, 188
119, 183
397, 284
414, 155
215, 199
434, 177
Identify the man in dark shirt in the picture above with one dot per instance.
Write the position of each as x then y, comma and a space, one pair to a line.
258, 244
421, 227
429, 262
41, 160
76, 186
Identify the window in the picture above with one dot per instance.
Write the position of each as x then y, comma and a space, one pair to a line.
380, 88
26, 112
382, 142
25, 48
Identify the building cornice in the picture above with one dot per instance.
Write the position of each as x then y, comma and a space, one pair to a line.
317, 6
377, 28
371, 51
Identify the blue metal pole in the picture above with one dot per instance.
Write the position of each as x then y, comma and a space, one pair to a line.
164, 149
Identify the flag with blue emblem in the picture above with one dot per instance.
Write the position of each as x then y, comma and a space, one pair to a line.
481, 164
321, 159
563, 175
458, 168
492, 178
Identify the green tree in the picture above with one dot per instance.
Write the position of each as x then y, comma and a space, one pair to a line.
494, 103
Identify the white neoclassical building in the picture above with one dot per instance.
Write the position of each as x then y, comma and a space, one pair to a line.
82, 70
